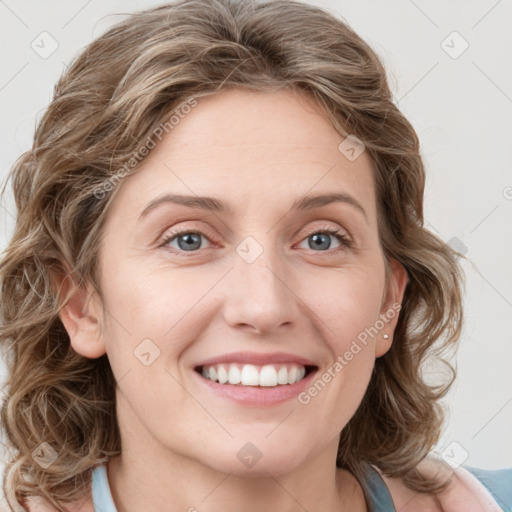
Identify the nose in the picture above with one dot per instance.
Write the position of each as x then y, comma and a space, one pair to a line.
258, 293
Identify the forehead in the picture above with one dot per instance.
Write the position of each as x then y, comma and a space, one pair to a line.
250, 149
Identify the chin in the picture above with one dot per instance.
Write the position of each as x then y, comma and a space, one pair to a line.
249, 461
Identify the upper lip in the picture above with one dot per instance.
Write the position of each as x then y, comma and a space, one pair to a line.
257, 359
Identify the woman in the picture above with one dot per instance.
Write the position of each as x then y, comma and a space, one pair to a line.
219, 293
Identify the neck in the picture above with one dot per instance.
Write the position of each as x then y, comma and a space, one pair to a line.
150, 476
135, 488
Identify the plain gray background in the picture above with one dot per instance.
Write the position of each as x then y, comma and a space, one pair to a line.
458, 99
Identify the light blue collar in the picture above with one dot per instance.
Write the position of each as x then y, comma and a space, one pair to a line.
101, 495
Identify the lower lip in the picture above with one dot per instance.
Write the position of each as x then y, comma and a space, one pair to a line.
257, 395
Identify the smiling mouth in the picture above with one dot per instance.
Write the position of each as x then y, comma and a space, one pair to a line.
269, 375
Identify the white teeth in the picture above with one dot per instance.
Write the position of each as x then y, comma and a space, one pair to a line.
251, 375
234, 374
268, 376
282, 375
222, 374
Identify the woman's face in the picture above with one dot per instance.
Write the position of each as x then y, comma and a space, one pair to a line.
253, 280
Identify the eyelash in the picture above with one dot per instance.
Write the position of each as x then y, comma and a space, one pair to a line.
345, 242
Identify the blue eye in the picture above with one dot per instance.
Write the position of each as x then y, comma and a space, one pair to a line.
320, 239
189, 241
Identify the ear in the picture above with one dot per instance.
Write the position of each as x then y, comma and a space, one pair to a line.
81, 316
397, 280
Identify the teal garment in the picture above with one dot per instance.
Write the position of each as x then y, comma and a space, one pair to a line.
377, 493
498, 482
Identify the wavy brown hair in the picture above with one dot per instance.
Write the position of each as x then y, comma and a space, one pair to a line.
114, 95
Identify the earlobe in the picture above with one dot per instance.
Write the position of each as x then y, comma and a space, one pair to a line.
81, 318
391, 305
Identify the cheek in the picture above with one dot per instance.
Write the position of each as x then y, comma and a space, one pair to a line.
160, 305
154, 317
346, 309
348, 304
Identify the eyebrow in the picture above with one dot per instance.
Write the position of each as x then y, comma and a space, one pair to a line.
307, 202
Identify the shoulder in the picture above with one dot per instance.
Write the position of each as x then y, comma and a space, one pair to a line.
465, 492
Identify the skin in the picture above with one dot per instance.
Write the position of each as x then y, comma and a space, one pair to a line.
258, 152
